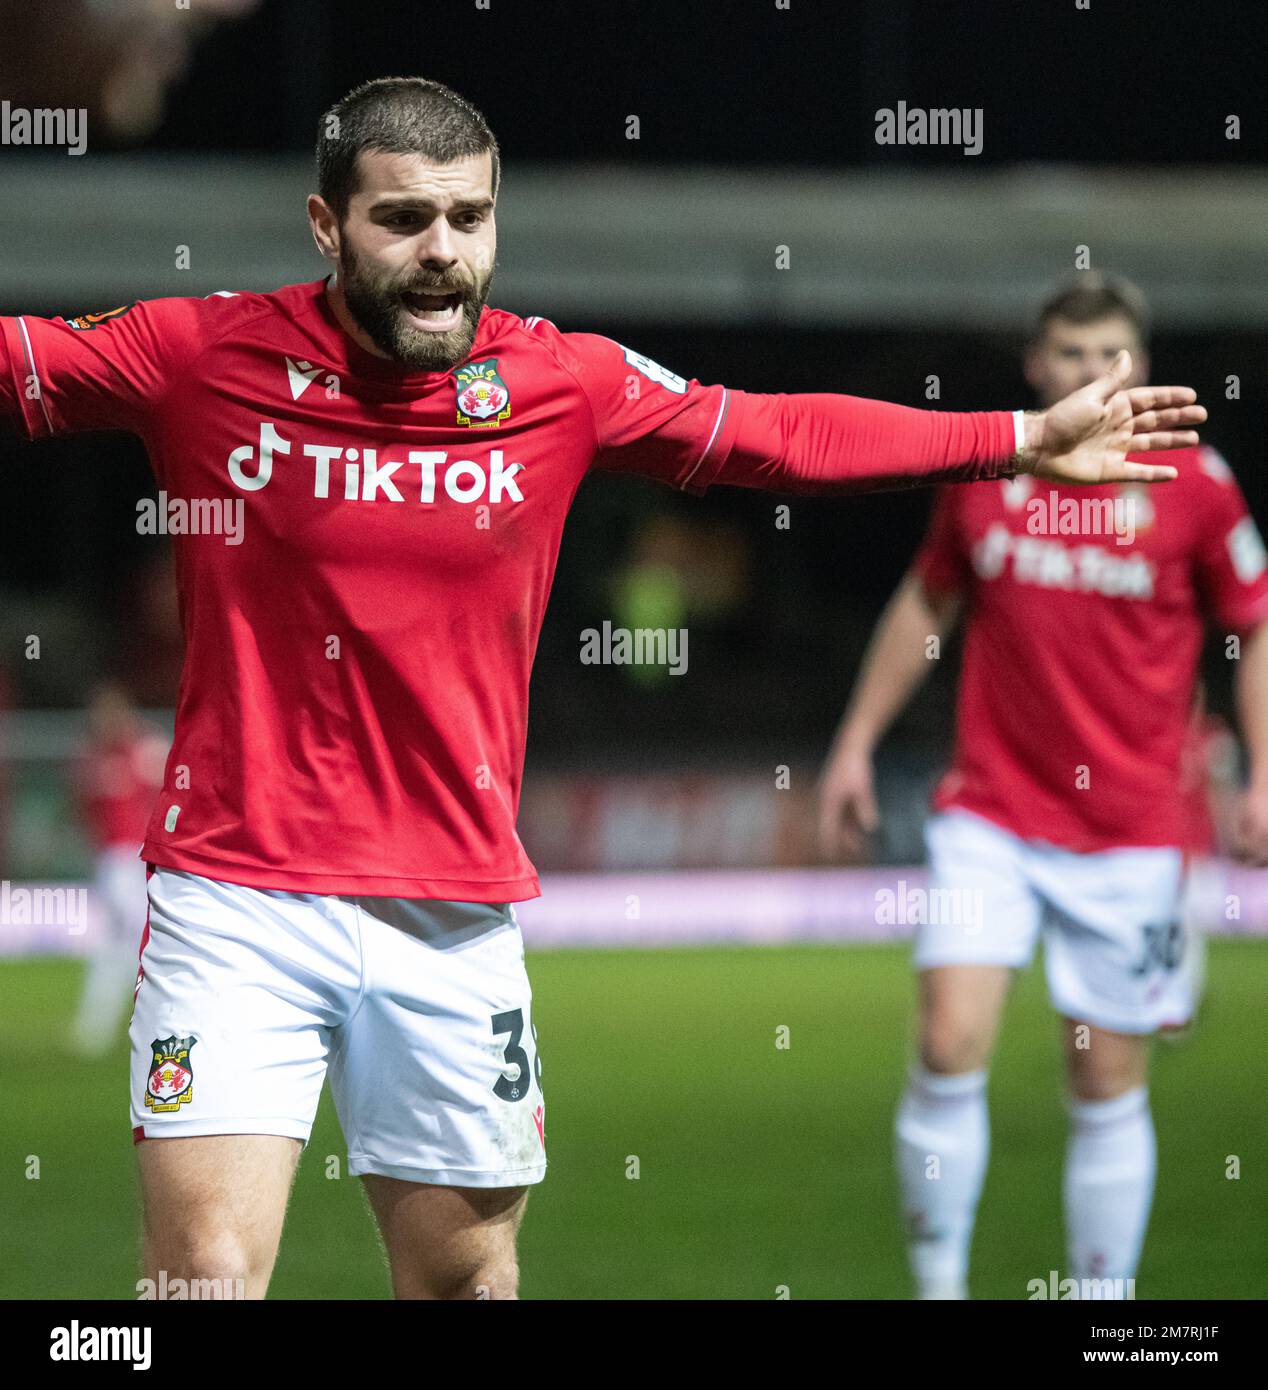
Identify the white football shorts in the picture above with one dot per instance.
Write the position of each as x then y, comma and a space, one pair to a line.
1111, 921
421, 1010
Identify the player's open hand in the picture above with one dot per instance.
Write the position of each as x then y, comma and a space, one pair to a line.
1086, 437
847, 805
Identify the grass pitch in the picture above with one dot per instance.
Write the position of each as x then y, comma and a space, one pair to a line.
759, 1167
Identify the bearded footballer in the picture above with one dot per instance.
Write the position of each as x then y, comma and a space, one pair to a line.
333, 858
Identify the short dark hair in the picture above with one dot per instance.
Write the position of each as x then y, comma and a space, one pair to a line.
1093, 297
398, 115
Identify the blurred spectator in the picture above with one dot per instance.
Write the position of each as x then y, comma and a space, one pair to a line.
121, 773
681, 571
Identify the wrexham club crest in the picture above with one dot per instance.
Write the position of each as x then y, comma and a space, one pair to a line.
171, 1082
483, 398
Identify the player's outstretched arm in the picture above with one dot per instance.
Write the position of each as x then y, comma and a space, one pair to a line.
823, 444
895, 663
1086, 437
102, 371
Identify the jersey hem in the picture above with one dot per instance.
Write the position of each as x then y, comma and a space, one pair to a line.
495, 890
1081, 844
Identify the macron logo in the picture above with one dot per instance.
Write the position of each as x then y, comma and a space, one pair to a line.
300, 375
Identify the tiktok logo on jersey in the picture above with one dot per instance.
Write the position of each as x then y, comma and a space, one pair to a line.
1051, 565
365, 479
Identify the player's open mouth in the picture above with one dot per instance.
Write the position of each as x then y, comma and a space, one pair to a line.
438, 312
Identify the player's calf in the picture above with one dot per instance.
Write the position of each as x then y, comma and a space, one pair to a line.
1111, 1155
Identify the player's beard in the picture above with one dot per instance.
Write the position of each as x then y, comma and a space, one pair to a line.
373, 297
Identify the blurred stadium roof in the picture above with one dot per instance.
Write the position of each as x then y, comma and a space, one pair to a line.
884, 248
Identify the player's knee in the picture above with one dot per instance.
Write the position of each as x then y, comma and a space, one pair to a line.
203, 1252
1098, 1079
1103, 1066
494, 1278
951, 1043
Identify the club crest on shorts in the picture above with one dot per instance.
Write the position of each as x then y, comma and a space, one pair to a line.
171, 1081
482, 396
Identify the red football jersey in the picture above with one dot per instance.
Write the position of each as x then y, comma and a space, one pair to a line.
364, 554
1084, 625
118, 781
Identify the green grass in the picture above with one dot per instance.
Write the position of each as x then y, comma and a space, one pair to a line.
759, 1167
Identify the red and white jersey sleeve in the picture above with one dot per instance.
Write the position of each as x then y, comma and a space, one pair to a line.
107, 371
1230, 562
647, 419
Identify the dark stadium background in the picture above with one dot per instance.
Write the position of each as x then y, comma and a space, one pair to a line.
760, 1169
729, 84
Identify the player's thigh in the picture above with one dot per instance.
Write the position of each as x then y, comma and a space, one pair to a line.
1114, 939
436, 1078
1102, 1064
981, 921
437, 1083
960, 1011
448, 1242
238, 992
213, 1206
980, 908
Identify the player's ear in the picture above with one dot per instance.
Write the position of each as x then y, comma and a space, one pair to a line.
324, 226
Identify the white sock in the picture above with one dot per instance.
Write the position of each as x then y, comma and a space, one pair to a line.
1109, 1184
943, 1140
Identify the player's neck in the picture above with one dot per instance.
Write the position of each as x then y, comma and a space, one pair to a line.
339, 306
